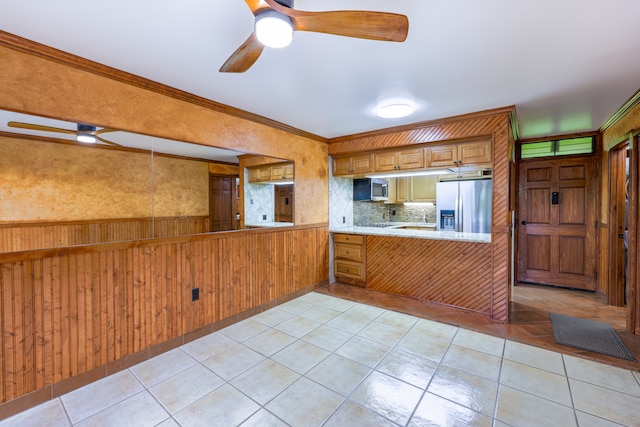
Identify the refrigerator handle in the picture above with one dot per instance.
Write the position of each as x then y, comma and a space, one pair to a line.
458, 223
461, 208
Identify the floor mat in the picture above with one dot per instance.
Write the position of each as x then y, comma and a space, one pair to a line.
590, 335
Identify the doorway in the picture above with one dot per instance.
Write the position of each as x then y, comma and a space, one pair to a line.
222, 203
283, 203
619, 168
557, 230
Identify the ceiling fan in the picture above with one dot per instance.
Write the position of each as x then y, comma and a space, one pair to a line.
85, 133
349, 23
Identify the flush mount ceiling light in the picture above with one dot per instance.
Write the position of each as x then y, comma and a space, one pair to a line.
395, 108
274, 29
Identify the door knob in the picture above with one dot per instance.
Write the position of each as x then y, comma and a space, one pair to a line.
524, 223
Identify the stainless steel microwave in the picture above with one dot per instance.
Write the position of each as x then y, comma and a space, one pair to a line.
371, 189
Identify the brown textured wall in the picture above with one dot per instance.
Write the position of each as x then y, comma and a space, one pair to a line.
35, 85
42, 181
222, 169
181, 187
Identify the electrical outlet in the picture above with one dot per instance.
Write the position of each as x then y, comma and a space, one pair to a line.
195, 294
250, 201
393, 213
344, 219
264, 217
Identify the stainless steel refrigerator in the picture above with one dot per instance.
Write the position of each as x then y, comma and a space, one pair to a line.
464, 206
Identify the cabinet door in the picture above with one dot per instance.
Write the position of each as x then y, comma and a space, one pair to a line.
362, 163
442, 156
288, 171
385, 162
402, 189
254, 175
341, 166
423, 188
474, 153
277, 172
411, 159
282, 171
264, 174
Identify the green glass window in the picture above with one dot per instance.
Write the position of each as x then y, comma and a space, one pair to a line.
561, 147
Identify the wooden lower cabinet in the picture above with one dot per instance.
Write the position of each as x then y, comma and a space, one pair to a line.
349, 256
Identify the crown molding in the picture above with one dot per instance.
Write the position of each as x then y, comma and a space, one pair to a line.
622, 111
30, 47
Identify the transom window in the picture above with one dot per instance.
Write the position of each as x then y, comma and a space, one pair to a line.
560, 147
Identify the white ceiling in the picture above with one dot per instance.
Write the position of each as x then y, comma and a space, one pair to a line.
567, 65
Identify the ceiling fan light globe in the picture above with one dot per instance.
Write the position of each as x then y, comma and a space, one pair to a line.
90, 139
274, 29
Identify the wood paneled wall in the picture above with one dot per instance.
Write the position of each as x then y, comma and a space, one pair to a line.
442, 271
32, 236
67, 312
495, 124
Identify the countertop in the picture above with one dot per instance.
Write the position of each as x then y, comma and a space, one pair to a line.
270, 224
415, 234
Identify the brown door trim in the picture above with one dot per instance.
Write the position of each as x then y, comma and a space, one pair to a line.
617, 213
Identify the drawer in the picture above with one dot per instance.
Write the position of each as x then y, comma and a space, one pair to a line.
354, 239
350, 269
349, 252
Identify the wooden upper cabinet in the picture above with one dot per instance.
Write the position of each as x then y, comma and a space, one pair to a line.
399, 160
463, 154
352, 165
272, 172
442, 156
281, 171
260, 174
474, 153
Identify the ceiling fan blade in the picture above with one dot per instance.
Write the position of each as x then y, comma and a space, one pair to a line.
105, 130
106, 141
256, 5
244, 57
349, 23
39, 127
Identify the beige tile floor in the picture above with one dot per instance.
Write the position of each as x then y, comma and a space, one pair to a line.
321, 360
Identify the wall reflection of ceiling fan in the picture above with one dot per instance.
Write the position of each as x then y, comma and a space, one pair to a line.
350, 23
85, 133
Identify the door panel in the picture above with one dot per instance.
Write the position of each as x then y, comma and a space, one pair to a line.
572, 255
557, 244
539, 209
539, 247
573, 206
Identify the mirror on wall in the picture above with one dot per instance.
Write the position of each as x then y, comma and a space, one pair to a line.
57, 192
268, 190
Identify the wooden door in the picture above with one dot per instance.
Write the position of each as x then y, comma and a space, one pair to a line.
284, 203
557, 222
222, 202
423, 188
617, 224
341, 166
362, 163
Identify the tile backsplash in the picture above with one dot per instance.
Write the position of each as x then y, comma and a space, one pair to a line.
340, 202
259, 201
368, 213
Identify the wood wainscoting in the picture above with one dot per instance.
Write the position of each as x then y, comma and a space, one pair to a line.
45, 235
442, 271
73, 315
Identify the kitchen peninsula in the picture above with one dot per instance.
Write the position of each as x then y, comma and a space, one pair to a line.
445, 267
